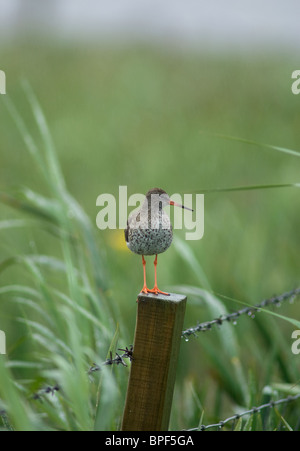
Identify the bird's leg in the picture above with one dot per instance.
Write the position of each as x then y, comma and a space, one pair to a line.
145, 289
156, 290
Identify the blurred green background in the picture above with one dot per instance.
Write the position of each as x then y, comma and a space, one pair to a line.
134, 117
144, 117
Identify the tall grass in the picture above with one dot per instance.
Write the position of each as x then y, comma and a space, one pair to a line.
69, 326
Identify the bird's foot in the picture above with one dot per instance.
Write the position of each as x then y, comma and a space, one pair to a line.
145, 289
156, 290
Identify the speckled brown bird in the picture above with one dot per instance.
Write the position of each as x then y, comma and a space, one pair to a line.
149, 230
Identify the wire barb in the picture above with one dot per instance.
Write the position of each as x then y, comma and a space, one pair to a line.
45, 391
118, 359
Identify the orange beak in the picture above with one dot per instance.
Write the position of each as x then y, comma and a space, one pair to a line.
179, 205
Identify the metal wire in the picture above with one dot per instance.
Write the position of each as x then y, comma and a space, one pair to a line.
252, 411
250, 311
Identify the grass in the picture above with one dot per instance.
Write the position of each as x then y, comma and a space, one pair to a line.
65, 330
67, 294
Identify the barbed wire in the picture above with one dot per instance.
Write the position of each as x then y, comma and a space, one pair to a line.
251, 411
45, 391
234, 316
37, 396
117, 360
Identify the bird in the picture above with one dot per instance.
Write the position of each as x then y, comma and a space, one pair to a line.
149, 231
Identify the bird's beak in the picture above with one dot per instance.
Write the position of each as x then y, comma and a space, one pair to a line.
179, 205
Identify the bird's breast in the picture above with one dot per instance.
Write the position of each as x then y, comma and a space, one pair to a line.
149, 240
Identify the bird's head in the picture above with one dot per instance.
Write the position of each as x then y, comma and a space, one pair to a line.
158, 195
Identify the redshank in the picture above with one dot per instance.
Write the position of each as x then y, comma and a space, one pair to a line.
149, 230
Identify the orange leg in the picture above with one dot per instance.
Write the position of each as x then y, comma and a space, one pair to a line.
145, 289
156, 290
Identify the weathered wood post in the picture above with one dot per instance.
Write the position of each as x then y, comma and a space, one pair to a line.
152, 376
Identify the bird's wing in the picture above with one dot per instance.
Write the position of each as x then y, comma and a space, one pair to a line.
126, 233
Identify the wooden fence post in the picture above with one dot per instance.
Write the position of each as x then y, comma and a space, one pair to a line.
152, 376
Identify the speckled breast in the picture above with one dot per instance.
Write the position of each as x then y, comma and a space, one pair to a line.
152, 240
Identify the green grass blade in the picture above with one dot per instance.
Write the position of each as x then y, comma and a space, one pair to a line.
248, 188
108, 393
53, 167
294, 153
248, 424
285, 318
239, 424
289, 389
26, 136
186, 253
18, 412
22, 290
283, 420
